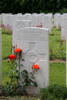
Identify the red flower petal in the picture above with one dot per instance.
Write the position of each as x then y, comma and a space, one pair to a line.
12, 56
36, 66
18, 50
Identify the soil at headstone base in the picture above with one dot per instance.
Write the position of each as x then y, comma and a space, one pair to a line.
58, 61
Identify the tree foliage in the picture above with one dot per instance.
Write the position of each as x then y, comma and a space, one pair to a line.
31, 6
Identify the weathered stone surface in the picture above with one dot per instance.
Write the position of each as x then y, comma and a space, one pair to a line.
64, 27
57, 20
42, 21
35, 45
0, 20
22, 23
37, 20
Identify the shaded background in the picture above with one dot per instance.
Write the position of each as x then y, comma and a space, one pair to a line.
31, 6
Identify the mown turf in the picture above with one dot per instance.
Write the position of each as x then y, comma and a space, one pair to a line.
57, 73
57, 46
6, 51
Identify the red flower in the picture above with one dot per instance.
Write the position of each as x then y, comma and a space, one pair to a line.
12, 57
18, 50
36, 66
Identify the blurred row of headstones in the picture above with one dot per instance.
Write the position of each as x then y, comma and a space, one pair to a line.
11, 21
60, 21
27, 20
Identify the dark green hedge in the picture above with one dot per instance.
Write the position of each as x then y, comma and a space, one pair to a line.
54, 92
31, 6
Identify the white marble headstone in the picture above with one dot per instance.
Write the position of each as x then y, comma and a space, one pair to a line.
26, 16
0, 20
48, 21
22, 23
8, 20
34, 42
42, 21
57, 20
64, 27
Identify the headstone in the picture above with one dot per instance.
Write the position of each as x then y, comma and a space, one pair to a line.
42, 21
0, 57
48, 21
34, 20
0, 20
18, 17
26, 16
64, 27
22, 23
34, 43
19, 24
8, 21
57, 20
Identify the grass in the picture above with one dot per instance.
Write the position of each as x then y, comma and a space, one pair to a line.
6, 51
58, 73
57, 46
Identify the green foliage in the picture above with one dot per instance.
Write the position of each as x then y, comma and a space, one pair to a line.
54, 92
44, 94
64, 10
31, 6
26, 80
17, 85
9, 6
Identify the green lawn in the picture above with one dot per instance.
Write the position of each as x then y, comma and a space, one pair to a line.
57, 70
57, 46
57, 73
6, 51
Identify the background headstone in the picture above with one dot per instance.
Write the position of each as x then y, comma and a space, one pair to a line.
57, 20
8, 21
22, 23
42, 21
26, 16
0, 20
64, 27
